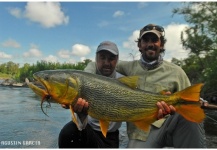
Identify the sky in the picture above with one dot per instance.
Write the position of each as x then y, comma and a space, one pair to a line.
69, 32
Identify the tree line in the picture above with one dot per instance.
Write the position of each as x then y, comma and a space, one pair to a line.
20, 73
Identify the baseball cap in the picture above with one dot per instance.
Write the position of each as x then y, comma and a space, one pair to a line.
109, 46
152, 28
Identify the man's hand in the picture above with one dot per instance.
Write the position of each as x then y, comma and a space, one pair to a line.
204, 103
81, 106
164, 109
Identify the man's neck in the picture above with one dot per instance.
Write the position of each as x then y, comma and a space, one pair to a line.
148, 61
153, 64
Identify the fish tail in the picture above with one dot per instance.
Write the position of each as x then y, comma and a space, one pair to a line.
190, 111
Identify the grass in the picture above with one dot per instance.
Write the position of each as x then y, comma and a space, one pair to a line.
4, 76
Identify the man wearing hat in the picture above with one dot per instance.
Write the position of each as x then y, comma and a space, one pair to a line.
90, 135
157, 75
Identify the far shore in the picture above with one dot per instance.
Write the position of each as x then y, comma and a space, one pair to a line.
12, 83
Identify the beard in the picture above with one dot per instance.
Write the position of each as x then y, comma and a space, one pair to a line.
150, 54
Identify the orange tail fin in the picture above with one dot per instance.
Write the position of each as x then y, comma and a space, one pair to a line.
193, 111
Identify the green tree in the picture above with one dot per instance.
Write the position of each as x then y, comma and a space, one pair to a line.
28, 70
201, 40
3, 68
12, 68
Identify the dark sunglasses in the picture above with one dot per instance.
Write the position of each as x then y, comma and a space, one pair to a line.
158, 28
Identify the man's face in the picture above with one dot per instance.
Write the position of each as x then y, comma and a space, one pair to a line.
150, 47
106, 62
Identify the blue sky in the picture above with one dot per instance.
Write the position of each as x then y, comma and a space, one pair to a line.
71, 31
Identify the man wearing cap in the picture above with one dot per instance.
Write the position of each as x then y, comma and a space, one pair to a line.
89, 135
157, 75
97, 68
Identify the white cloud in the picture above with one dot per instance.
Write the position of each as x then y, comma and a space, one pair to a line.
80, 50
17, 12
72, 61
64, 53
11, 43
82, 59
3, 55
131, 45
51, 58
48, 14
118, 14
173, 45
33, 52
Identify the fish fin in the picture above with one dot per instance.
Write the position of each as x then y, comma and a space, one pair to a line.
145, 123
104, 126
191, 93
73, 117
191, 112
141, 124
163, 92
130, 81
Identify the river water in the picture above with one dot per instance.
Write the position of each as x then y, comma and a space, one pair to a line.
23, 125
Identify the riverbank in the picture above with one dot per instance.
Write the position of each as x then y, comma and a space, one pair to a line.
11, 82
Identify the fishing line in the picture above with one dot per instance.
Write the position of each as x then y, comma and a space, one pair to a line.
211, 118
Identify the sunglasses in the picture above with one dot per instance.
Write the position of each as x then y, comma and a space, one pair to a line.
158, 28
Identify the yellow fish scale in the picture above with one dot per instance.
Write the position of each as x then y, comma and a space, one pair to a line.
115, 100
110, 99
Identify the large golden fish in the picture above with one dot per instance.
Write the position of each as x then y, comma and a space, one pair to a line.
114, 99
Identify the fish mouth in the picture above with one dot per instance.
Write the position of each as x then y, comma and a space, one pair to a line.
40, 89
40, 83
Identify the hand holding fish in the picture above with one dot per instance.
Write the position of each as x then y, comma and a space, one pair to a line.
164, 109
80, 107
122, 101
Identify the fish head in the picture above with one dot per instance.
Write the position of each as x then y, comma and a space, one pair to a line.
60, 86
